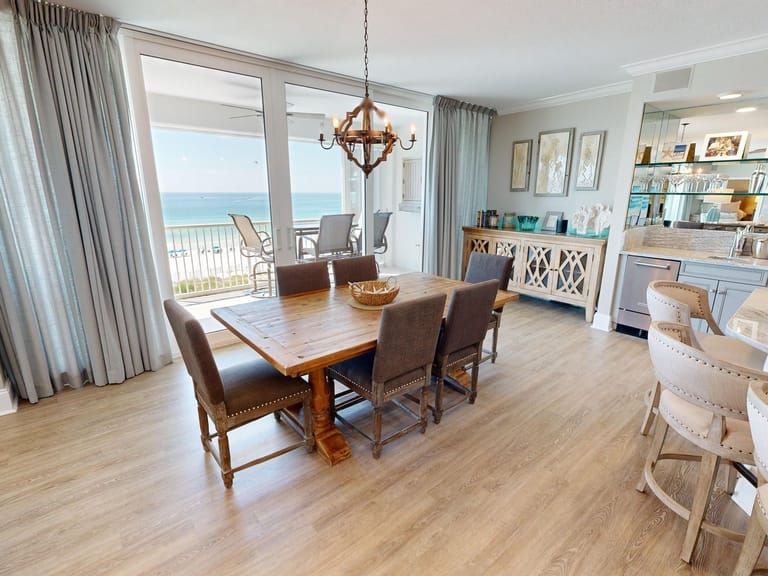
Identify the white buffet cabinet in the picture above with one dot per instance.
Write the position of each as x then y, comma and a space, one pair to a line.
546, 265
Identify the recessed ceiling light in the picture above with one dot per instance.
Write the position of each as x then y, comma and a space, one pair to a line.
729, 95
746, 109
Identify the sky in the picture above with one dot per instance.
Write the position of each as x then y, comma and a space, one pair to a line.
204, 162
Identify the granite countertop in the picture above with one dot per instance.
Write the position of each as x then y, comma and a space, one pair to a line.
697, 256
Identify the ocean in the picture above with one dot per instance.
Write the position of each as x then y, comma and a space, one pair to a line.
184, 208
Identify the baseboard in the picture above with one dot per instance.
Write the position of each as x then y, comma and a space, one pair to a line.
602, 322
8, 403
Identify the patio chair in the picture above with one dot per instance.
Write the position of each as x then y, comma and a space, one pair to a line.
333, 239
255, 244
380, 224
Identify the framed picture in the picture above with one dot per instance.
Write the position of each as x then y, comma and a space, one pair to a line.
551, 221
521, 165
588, 160
555, 149
724, 146
676, 152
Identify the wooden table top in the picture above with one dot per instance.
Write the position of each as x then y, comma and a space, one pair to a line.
301, 333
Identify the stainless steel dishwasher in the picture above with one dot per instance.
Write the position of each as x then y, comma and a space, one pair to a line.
639, 271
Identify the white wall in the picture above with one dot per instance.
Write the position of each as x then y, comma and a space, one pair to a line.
608, 113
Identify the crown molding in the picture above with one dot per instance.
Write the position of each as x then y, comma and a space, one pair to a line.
691, 57
572, 97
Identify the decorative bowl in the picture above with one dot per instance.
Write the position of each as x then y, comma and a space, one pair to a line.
527, 223
374, 292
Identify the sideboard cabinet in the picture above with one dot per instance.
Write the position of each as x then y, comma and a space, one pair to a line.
551, 266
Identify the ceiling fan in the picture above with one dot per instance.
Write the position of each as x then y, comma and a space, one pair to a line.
258, 112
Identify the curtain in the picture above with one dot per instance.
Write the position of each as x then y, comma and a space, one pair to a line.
457, 185
79, 300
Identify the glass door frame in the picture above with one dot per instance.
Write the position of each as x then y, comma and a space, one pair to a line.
274, 76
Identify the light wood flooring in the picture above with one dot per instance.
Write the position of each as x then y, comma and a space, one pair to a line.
537, 478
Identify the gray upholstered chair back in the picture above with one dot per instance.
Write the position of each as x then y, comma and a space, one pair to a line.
482, 267
407, 337
196, 352
299, 278
356, 269
334, 233
467, 320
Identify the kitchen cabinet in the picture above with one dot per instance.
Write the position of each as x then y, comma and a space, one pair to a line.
728, 286
553, 266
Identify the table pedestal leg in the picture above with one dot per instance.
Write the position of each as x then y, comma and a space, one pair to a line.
330, 443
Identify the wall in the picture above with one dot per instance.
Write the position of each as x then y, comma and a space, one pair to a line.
607, 113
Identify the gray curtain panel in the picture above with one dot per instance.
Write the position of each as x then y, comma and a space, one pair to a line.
457, 185
79, 291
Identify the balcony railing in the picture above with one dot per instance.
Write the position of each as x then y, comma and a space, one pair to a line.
206, 259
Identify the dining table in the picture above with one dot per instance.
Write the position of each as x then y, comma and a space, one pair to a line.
302, 334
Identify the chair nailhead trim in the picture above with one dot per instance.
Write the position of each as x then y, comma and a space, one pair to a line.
762, 463
347, 382
692, 431
272, 403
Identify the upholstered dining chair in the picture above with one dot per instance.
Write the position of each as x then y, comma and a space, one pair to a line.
303, 277
401, 363
482, 267
754, 539
236, 395
355, 269
256, 245
461, 342
671, 301
704, 401
334, 238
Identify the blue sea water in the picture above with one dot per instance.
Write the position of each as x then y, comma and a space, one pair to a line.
183, 208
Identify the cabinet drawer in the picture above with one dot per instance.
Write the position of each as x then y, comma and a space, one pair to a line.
743, 274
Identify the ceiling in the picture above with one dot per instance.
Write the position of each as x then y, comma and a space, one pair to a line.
503, 54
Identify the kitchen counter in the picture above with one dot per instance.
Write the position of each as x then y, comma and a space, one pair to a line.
697, 256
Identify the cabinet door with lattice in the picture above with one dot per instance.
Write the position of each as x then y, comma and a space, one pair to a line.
536, 271
512, 248
573, 269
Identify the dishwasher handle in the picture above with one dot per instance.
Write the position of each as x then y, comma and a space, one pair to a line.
649, 265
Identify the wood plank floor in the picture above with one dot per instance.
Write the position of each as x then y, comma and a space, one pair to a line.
537, 478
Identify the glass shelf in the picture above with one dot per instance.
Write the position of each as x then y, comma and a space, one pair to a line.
717, 161
726, 194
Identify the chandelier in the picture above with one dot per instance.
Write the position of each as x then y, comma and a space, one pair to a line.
348, 137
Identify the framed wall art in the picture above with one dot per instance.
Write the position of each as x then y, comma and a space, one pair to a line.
724, 146
588, 160
554, 158
521, 165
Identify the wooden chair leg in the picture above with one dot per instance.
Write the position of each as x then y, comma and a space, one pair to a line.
309, 435
731, 475
754, 540
473, 381
706, 479
205, 432
438, 414
495, 339
653, 452
423, 412
653, 405
226, 461
376, 431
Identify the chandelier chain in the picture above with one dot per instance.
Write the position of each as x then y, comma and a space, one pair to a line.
365, 41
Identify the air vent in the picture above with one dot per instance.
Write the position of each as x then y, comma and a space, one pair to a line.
672, 80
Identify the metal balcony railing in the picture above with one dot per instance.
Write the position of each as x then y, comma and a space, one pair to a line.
206, 259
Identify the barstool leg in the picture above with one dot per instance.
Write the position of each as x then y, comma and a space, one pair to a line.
707, 473
754, 540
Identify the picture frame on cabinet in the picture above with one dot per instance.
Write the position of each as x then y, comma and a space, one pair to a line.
553, 162
588, 160
724, 146
521, 165
551, 221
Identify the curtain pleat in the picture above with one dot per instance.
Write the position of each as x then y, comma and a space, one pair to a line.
458, 180
80, 274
